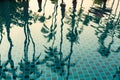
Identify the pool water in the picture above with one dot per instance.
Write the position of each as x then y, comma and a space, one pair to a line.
59, 40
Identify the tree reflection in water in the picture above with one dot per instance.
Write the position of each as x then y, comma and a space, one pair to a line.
117, 31
16, 13
1, 33
103, 31
52, 53
73, 20
5, 68
43, 18
98, 11
54, 1
27, 67
108, 28
2, 21
102, 3
72, 36
39, 5
50, 32
54, 58
11, 12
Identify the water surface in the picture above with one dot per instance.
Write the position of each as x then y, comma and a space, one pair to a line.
60, 40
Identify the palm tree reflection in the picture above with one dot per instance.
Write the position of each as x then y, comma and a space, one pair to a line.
3, 70
51, 58
103, 50
14, 12
54, 1
40, 5
1, 33
1, 21
116, 76
117, 31
28, 67
43, 18
101, 2
62, 5
54, 57
98, 11
73, 34
108, 29
12, 68
87, 19
50, 32
7, 9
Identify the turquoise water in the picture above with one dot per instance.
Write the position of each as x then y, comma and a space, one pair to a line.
69, 40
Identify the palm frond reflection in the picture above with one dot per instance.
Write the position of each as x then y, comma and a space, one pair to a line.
51, 32
27, 67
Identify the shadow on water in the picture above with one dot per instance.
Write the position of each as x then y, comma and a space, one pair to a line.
27, 67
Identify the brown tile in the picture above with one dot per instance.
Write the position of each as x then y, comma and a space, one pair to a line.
42, 79
80, 72
97, 74
54, 78
104, 77
90, 71
86, 75
76, 77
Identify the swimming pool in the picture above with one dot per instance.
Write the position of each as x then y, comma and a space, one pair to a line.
59, 40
